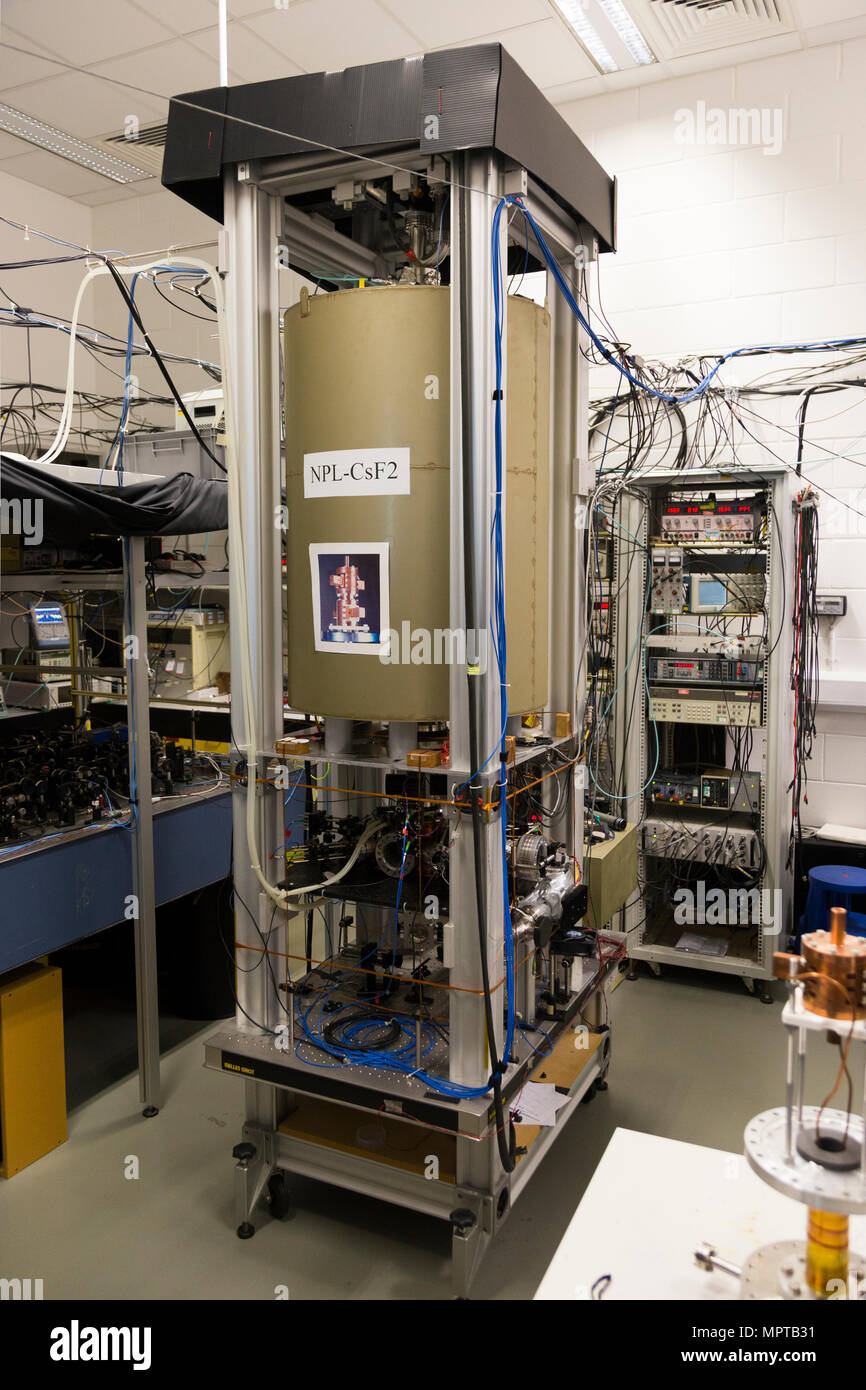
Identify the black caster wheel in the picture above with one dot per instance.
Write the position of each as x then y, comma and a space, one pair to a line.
279, 1197
631, 974
601, 1084
246, 1230
766, 997
149, 1111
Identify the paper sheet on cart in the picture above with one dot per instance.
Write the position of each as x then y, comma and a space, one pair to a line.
702, 944
537, 1104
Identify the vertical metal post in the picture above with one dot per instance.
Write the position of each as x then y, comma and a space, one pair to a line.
252, 235
778, 712
568, 389
80, 680
628, 584
789, 1090
474, 192
138, 725
223, 43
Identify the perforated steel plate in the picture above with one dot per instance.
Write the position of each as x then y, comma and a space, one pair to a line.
797, 1177
778, 1271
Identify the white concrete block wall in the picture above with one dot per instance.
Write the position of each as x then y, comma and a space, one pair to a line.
723, 245
49, 289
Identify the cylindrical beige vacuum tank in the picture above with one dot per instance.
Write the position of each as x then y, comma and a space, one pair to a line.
369, 369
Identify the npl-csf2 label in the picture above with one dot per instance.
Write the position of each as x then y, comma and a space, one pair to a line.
356, 473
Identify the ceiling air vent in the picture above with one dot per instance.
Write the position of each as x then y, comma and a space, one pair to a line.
144, 148
694, 26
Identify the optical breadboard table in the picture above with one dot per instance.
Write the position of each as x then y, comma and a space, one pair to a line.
69, 886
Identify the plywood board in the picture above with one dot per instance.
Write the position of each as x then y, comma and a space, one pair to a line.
399, 1143
561, 1069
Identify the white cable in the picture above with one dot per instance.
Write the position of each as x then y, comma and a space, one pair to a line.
64, 427
372, 829
65, 422
235, 514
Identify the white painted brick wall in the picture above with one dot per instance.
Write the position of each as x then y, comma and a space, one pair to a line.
722, 245
845, 759
48, 289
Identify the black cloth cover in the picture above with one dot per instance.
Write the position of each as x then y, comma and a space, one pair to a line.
72, 511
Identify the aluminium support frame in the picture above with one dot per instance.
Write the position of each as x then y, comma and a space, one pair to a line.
254, 230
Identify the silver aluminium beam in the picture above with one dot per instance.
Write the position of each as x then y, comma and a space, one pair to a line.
569, 385
476, 182
143, 886
249, 255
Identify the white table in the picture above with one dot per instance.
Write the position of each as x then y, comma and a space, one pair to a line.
651, 1203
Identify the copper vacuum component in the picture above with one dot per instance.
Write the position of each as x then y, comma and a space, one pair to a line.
832, 968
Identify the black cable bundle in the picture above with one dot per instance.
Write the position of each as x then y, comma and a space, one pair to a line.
804, 658
130, 304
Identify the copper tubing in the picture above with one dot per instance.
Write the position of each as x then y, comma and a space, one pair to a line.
826, 1252
838, 927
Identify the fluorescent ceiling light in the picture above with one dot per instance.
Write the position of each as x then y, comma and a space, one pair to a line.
575, 14
627, 30
47, 137
607, 32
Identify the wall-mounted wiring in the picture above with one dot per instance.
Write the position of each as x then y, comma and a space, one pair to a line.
804, 659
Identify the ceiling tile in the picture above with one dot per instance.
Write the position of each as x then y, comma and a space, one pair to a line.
333, 34
250, 57
184, 17
162, 71
87, 31
83, 105
10, 146
111, 193
17, 68
546, 52
50, 171
242, 9
449, 23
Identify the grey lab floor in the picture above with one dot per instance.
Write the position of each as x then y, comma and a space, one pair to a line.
694, 1057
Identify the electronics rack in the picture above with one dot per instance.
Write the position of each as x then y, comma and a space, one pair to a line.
648, 918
